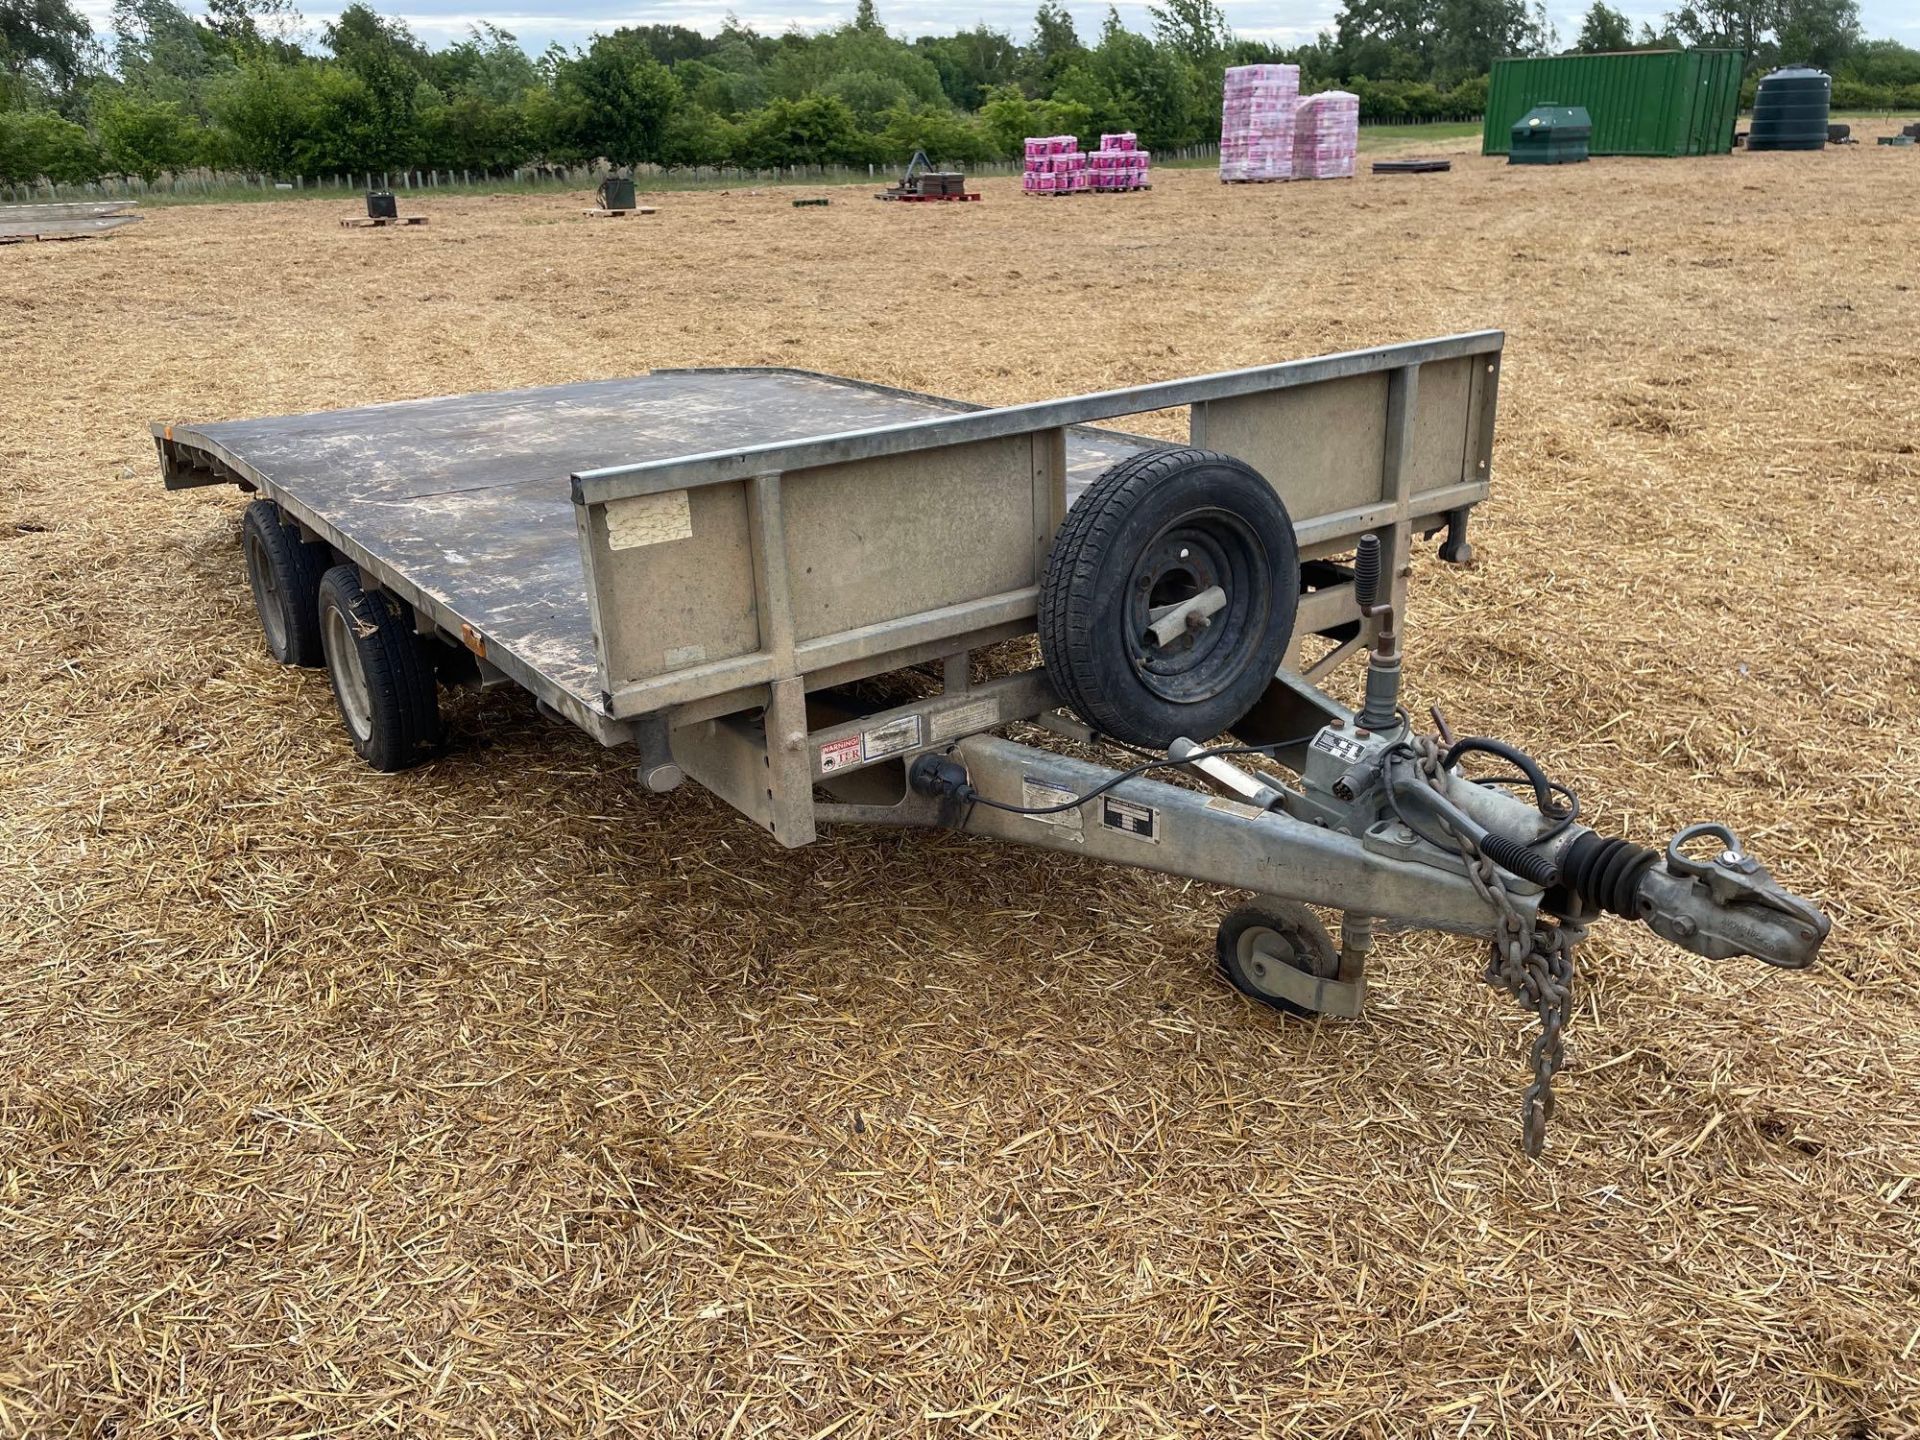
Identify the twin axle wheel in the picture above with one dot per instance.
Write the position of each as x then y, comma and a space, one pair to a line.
314, 612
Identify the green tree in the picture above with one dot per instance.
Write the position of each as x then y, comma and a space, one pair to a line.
627, 98
264, 113
248, 26
947, 137
44, 49
472, 132
1055, 47
37, 144
971, 62
1195, 28
1471, 34
163, 54
489, 64
697, 136
1817, 32
814, 131
385, 58
1603, 30
147, 138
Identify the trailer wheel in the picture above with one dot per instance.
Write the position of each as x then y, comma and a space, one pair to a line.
1159, 529
284, 572
381, 678
1258, 937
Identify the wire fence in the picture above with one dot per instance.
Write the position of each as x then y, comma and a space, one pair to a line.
221, 185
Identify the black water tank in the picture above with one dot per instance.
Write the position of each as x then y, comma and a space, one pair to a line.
1790, 110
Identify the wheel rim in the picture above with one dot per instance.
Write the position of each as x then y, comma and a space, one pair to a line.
267, 598
1187, 557
349, 676
1260, 950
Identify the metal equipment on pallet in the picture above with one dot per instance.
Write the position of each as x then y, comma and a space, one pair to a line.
382, 210
712, 567
921, 181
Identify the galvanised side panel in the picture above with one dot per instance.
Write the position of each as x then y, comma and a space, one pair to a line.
1651, 102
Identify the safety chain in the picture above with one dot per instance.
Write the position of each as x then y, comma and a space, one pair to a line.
1537, 969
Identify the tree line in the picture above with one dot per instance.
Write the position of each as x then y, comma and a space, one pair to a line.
245, 86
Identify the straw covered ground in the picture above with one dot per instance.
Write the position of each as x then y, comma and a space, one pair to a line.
503, 1098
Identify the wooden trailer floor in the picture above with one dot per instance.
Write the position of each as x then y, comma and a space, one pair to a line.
467, 498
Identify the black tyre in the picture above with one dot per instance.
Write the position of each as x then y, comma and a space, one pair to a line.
382, 679
285, 572
1163, 527
1258, 937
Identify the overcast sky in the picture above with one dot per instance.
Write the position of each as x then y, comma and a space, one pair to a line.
538, 22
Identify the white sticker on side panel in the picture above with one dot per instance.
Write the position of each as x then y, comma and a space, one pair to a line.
638, 520
891, 738
965, 719
1140, 821
1037, 794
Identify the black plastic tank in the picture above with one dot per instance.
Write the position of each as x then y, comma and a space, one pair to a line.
1790, 110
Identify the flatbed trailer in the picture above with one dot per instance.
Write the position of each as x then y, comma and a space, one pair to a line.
786, 586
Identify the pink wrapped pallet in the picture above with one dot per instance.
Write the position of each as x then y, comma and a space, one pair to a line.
1326, 136
1118, 164
1056, 166
1257, 122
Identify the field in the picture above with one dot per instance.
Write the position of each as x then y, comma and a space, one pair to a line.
503, 1098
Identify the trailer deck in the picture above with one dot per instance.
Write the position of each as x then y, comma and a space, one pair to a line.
463, 503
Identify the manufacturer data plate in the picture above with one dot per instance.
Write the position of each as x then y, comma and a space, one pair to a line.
1140, 821
1340, 746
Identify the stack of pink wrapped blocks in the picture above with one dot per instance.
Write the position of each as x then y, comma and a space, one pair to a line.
1326, 136
1256, 122
1055, 166
1119, 163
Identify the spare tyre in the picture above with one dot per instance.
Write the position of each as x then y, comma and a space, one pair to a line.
1121, 642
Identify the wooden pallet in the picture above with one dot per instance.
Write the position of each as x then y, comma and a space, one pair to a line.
916, 198
381, 222
1411, 167
616, 214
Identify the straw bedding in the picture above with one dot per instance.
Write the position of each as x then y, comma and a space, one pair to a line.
503, 1098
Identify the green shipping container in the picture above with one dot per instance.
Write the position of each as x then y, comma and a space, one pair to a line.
1643, 102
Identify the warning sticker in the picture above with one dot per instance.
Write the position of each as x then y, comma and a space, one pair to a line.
965, 719
1339, 745
1038, 795
1234, 807
837, 754
891, 738
1140, 821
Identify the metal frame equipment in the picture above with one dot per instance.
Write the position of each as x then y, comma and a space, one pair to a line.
796, 591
